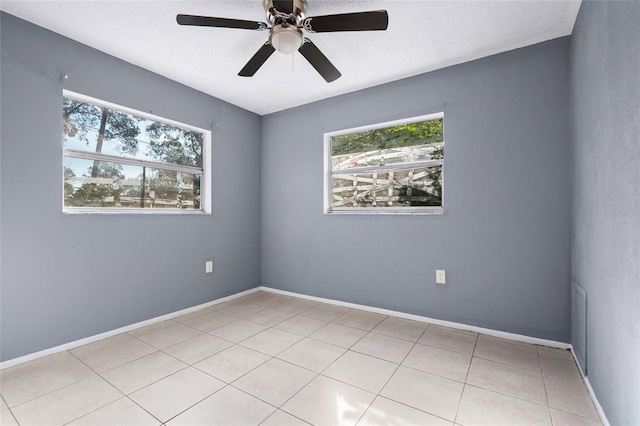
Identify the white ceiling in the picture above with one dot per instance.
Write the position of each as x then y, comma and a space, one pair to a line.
422, 36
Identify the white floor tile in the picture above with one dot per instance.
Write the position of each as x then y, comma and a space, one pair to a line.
483, 407
325, 401
232, 363
100, 344
28, 367
295, 306
280, 418
384, 347
360, 319
401, 328
150, 328
362, 371
196, 349
558, 352
385, 412
269, 317
270, 300
67, 404
7, 419
558, 367
326, 312
169, 336
427, 392
209, 321
560, 418
571, 396
449, 339
116, 355
240, 309
301, 325
123, 412
195, 314
507, 352
275, 381
228, 407
174, 394
513, 381
271, 341
452, 365
312, 354
35, 383
238, 331
142, 372
339, 335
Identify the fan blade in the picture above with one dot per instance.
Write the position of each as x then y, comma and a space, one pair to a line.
283, 6
257, 60
320, 62
210, 21
361, 21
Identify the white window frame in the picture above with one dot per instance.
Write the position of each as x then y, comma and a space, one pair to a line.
205, 181
328, 173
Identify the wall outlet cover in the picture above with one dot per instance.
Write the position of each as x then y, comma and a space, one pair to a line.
209, 266
440, 276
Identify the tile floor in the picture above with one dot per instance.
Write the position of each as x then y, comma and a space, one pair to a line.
267, 359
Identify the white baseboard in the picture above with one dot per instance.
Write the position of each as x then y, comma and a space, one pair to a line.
91, 339
482, 330
592, 393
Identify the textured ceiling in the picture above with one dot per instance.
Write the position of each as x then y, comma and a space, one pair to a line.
422, 36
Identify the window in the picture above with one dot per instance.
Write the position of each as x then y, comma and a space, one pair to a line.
392, 168
118, 160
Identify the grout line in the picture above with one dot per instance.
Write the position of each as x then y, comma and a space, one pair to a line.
285, 412
191, 406
116, 388
544, 385
54, 390
464, 386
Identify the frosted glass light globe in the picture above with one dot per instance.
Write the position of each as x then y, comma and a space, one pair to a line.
286, 39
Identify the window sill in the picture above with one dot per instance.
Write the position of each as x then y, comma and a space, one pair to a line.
116, 211
434, 211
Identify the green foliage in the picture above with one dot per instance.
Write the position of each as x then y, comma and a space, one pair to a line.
174, 145
68, 187
79, 118
420, 133
93, 194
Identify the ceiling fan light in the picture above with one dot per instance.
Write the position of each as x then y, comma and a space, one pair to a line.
286, 39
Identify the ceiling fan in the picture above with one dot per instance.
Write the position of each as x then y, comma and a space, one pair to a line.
287, 19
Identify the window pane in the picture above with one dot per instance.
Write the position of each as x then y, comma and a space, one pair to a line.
406, 188
89, 183
94, 128
405, 143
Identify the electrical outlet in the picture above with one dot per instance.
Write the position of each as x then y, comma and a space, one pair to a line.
440, 276
208, 266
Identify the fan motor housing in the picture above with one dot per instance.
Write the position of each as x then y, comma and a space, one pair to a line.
295, 17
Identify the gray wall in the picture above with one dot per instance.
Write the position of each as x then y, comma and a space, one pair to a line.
65, 277
504, 238
605, 99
